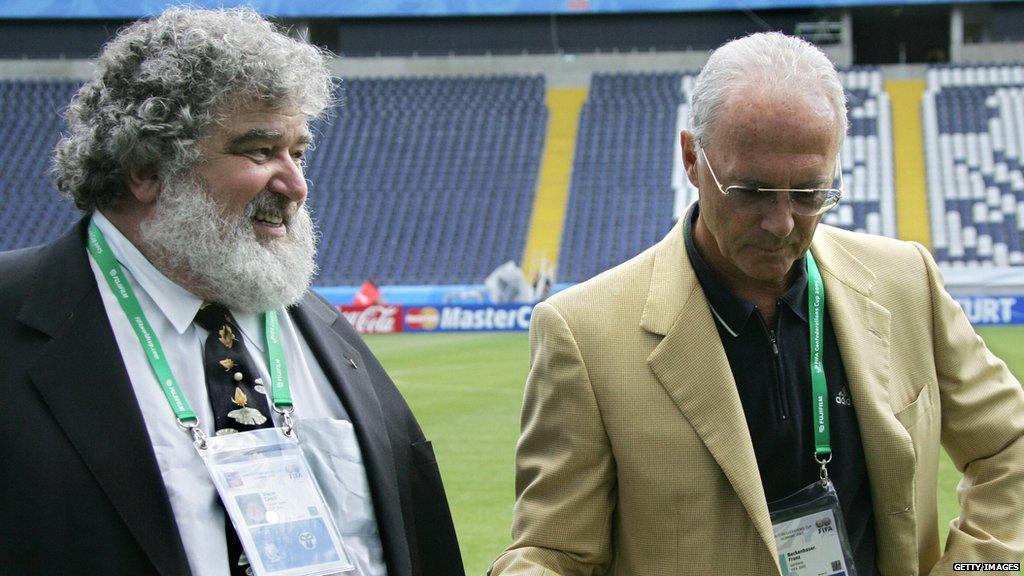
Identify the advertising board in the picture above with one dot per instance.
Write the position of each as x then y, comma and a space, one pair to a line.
469, 318
993, 310
391, 318
985, 310
374, 319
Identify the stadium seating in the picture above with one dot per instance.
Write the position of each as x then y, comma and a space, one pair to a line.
974, 134
31, 210
427, 181
620, 198
431, 180
869, 200
628, 182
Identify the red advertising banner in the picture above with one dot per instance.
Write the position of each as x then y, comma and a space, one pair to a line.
375, 319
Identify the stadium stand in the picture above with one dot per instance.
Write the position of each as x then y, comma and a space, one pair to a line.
431, 180
974, 135
620, 198
427, 180
31, 210
628, 182
869, 200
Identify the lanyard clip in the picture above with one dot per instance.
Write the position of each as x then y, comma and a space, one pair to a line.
198, 436
286, 415
823, 460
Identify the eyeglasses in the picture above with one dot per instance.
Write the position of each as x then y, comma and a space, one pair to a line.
802, 201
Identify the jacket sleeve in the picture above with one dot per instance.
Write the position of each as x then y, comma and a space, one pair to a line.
982, 426
565, 471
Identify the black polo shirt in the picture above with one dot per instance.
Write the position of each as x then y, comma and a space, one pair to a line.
771, 367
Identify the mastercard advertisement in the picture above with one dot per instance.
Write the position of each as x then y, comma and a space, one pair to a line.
469, 318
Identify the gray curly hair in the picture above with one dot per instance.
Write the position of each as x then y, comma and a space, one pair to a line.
161, 84
769, 62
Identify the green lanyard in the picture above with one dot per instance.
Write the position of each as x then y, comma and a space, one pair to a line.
112, 271
819, 388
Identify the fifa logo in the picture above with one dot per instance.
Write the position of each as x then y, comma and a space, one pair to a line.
824, 525
308, 540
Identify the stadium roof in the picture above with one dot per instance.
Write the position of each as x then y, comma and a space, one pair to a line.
115, 9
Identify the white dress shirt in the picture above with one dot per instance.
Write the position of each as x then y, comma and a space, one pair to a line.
171, 310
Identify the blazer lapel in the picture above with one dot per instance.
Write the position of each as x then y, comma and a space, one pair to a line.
82, 379
353, 386
862, 329
691, 364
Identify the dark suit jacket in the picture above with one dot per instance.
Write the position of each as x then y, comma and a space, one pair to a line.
80, 490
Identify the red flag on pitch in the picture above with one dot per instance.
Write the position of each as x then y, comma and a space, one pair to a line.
368, 294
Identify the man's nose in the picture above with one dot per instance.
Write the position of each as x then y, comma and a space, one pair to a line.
289, 178
778, 220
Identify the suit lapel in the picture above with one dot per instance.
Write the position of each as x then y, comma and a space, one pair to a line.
352, 384
691, 364
862, 329
82, 379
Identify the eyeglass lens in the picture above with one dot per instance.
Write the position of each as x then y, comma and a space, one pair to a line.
757, 201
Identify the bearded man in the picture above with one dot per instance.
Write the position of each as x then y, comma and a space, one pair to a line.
177, 314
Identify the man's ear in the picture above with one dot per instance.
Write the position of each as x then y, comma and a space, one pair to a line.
688, 145
144, 184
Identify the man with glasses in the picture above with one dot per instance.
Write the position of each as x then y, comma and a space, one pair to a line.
757, 394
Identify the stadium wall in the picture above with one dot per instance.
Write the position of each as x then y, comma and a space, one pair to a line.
454, 35
553, 34
559, 70
990, 52
80, 69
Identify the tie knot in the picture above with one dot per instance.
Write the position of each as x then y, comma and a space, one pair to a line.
213, 317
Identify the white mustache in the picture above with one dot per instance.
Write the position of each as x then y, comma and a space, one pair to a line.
272, 203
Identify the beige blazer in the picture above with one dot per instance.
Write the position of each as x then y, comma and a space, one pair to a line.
635, 458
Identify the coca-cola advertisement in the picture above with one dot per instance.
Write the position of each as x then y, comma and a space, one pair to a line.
374, 319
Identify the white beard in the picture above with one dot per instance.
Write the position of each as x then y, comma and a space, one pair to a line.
219, 258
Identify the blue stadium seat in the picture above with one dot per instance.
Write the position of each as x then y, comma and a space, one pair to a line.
31, 209
427, 180
974, 134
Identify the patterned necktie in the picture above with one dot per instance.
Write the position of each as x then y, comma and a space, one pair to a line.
237, 396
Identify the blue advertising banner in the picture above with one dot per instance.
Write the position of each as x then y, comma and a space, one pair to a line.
468, 318
401, 8
993, 310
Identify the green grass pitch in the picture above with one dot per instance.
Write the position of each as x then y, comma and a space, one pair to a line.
466, 390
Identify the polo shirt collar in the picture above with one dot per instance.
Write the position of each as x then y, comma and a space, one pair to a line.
796, 297
729, 310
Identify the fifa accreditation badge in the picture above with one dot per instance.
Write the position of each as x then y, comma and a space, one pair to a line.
810, 546
809, 533
275, 504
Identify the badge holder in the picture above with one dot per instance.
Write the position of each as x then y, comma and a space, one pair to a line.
275, 504
810, 534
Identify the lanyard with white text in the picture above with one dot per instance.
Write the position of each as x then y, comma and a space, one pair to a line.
112, 271
819, 388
